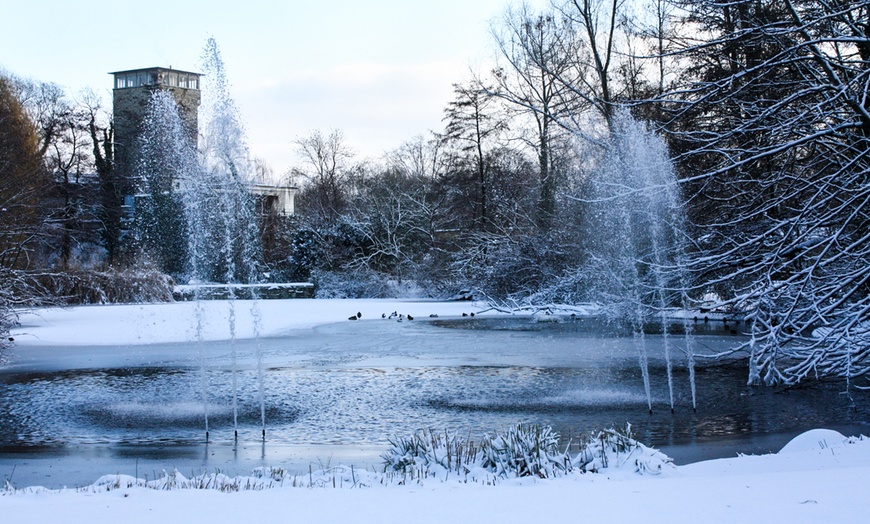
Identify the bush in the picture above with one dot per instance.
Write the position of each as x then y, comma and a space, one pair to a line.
360, 284
17, 290
427, 450
363, 283
525, 450
8, 319
615, 448
109, 286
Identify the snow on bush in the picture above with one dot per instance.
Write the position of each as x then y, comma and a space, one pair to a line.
8, 320
427, 451
816, 440
525, 450
613, 448
9, 284
111, 286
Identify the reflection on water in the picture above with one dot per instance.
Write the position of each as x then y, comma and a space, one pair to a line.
362, 383
595, 326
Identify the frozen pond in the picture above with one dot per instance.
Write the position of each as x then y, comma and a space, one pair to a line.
339, 391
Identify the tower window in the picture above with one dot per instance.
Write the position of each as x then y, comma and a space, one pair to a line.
146, 78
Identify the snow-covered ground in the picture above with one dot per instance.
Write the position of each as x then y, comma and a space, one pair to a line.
819, 477
177, 322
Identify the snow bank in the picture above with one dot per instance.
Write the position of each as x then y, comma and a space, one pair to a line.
816, 440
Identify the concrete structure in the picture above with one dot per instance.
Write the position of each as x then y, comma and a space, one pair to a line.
132, 92
280, 199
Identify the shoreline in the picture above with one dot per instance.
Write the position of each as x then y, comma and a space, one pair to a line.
82, 464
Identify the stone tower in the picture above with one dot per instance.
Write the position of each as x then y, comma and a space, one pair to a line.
130, 99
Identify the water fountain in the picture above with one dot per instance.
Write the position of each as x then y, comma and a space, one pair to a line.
197, 213
633, 238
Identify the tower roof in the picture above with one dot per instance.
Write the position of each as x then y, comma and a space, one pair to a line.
156, 76
143, 69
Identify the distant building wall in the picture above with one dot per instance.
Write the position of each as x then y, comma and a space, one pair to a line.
280, 199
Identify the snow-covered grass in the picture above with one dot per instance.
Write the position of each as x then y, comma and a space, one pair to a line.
525, 450
818, 477
521, 451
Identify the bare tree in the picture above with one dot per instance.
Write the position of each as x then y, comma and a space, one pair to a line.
420, 157
391, 225
46, 106
660, 31
109, 209
22, 180
327, 169
67, 160
73, 142
474, 124
598, 23
774, 122
540, 68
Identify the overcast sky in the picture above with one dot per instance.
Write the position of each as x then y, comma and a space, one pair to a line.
380, 70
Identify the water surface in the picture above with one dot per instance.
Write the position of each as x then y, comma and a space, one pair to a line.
341, 391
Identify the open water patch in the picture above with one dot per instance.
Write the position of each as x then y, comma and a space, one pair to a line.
593, 326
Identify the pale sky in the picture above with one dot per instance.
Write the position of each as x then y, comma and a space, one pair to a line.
381, 71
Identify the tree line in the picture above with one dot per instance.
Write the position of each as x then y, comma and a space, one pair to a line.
763, 107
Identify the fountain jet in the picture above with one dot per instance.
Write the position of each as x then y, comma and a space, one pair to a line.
634, 237
197, 215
